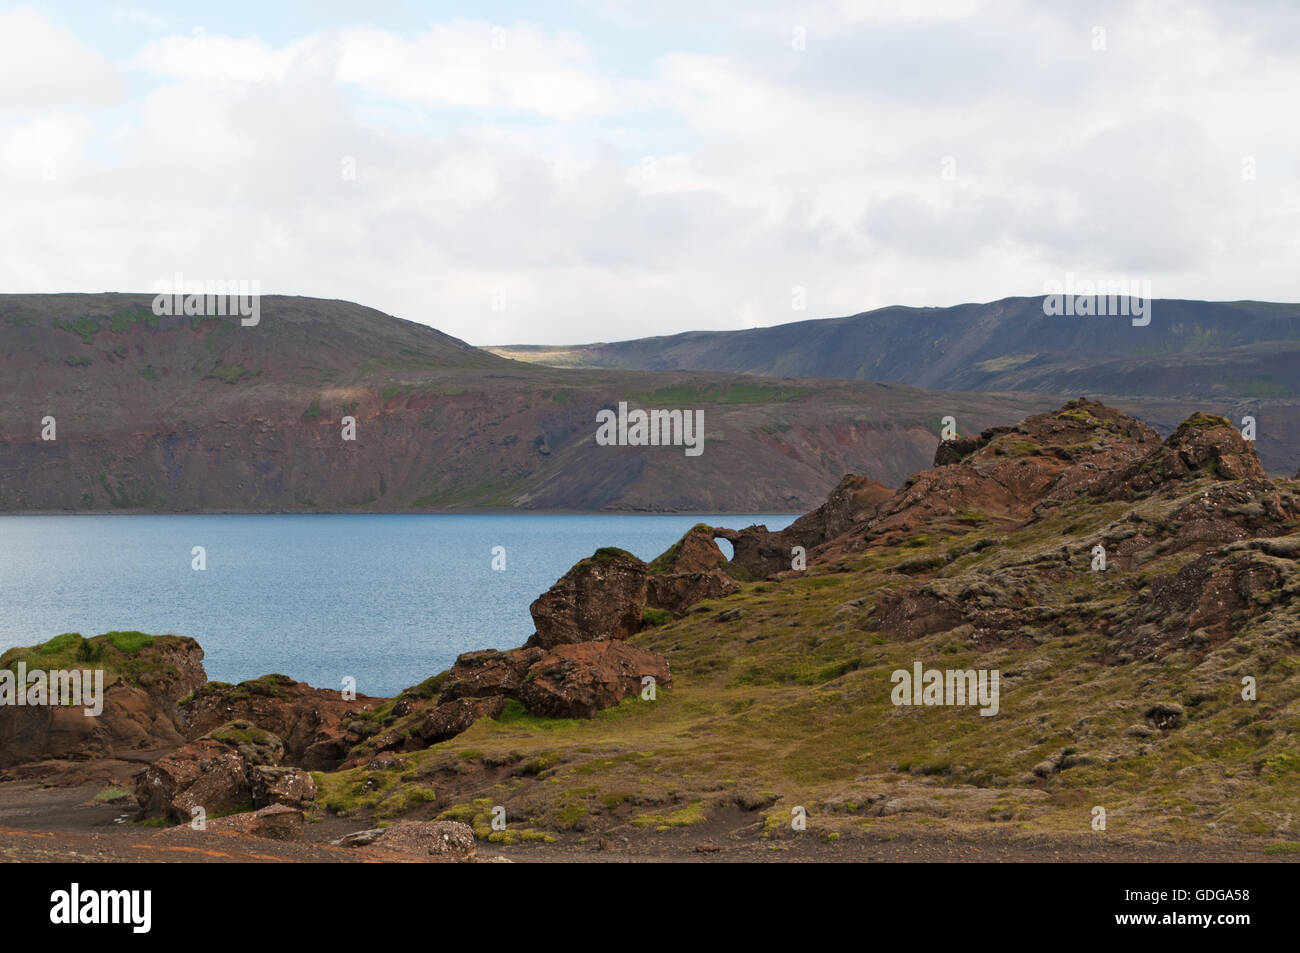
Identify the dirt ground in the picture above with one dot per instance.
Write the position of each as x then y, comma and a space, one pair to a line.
67, 824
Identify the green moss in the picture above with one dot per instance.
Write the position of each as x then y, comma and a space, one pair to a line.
129, 642
651, 616
543, 762
86, 327
232, 373
240, 733
1205, 422
692, 813
609, 554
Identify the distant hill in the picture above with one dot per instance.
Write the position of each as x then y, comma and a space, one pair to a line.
1000, 346
1243, 355
180, 414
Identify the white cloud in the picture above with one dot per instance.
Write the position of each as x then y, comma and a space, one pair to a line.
479, 65
43, 65
524, 168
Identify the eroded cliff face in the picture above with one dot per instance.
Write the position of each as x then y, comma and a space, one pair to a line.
177, 414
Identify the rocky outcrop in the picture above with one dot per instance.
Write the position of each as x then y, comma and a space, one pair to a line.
1209, 600
578, 680
1011, 471
758, 553
144, 677
233, 768
676, 592
689, 571
488, 673
696, 551
577, 662
602, 597
311, 722
450, 718
1202, 445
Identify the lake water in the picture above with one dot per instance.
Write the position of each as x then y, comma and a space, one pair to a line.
386, 599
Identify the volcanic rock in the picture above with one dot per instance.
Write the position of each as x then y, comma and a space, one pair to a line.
488, 672
139, 716
309, 720
215, 772
578, 680
602, 597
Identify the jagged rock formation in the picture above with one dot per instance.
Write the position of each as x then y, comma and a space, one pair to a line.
312, 722
1005, 476
1201, 444
231, 768
759, 553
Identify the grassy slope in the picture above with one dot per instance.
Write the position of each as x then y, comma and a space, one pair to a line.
789, 706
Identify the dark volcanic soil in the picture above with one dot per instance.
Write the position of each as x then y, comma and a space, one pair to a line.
39, 824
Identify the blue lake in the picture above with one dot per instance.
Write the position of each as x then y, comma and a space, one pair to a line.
386, 599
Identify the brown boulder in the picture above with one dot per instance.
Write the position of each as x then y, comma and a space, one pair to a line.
578, 680
206, 774
274, 822
676, 592
292, 787
435, 841
214, 773
449, 719
600, 598
486, 673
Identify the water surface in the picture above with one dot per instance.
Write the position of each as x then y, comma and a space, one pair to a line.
386, 599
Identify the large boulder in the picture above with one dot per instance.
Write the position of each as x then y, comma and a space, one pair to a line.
274, 822
602, 597
450, 718
487, 672
291, 787
578, 680
229, 769
434, 841
202, 774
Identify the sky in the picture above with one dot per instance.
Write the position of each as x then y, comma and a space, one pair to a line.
561, 173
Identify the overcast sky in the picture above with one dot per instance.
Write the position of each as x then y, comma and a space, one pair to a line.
564, 173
